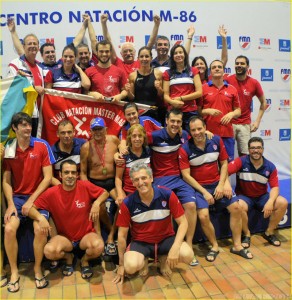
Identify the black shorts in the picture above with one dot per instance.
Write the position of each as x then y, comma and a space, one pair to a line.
152, 250
107, 184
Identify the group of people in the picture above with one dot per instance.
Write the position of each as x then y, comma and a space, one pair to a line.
173, 162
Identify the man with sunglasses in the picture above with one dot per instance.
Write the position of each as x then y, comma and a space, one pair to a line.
254, 174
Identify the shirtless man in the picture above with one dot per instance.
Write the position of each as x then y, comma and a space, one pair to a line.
97, 165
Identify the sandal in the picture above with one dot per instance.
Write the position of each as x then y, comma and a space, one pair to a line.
243, 253
38, 283
272, 239
15, 285
110, 249
54, 265
194, 262
213, 255
67, 270
4, 280
86, 272
245, 240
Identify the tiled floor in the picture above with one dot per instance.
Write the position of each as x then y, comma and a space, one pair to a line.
266, 276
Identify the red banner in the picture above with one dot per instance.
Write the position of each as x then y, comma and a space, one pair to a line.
80, 110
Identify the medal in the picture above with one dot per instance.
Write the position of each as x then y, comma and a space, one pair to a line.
101, 156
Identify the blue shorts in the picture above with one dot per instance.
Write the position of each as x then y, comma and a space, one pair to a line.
184, 192
220, 204
152, 250
257, 203
19, 201
229, 144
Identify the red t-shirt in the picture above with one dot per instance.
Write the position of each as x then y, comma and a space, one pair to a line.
224, 99
127, 68
246, 89
70, 209
106, 81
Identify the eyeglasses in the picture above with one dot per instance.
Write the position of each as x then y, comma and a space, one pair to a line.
256, 148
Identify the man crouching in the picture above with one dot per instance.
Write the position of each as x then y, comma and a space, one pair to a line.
148, 213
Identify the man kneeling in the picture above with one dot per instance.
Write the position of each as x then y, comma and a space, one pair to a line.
73, 210
148, 213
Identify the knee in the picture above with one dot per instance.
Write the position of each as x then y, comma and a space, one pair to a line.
186, 253
131, 266
96, 247
282, 203
204, 218
190, 207
235, 209
9, 231
50, 252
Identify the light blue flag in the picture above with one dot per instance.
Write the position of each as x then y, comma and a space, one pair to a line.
17, 94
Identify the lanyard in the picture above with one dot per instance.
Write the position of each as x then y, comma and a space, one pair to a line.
101, 156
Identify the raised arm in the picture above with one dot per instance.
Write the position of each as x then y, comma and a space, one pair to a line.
15, 39
80, 35
106, 36
85, 81
92, 34
191, 32
224, 53
154, 33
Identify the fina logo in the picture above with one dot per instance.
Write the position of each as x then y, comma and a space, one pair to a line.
284, 45
284, 104
285, 74
285, 134
178, 38
200, 41
219, 42
1, 47
264, 43
244, 42
269, 104
227, 70
267, 74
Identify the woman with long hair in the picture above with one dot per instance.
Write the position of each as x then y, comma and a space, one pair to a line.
70, 77
146, 84
182, 84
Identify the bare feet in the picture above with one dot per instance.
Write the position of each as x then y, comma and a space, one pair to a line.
145, 270
164, 267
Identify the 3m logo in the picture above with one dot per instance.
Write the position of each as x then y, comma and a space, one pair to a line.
47, 40
284, 104
266, 132
244, 42
265, 42
126, 39
200, 39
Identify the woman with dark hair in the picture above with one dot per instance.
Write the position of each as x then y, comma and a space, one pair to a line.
182, 84
70, 77
131, 113
201, 63
146, 84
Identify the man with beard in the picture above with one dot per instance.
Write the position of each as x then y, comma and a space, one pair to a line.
165, 144
128, 52
247, 87
74, 205
67, 147
107, 80
254, 173
83, 56
203, 164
